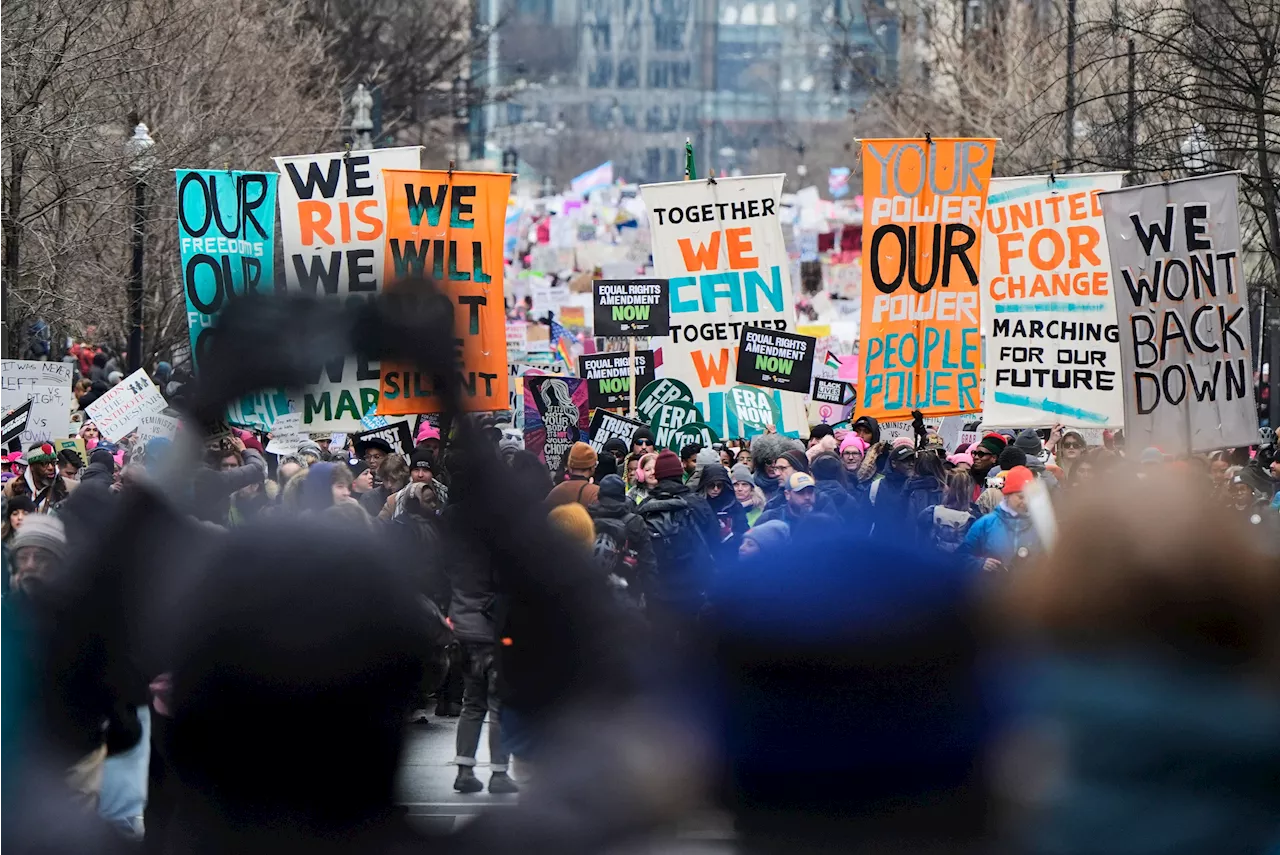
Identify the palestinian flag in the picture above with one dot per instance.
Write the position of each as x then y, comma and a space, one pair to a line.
833, 361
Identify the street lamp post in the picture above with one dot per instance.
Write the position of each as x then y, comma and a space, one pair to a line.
138, 148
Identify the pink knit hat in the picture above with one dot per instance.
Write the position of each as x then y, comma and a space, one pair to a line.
852, 440
428, 431
961, 457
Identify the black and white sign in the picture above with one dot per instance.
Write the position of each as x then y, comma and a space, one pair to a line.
773, 358
16, 422
397, 435
632, 307
606, 426
838, 392
608, 377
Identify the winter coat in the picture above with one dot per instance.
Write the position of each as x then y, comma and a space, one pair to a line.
574, 489
944, 535
731, 517
842, 504
45, 498
889, 504
683, 530
1000, 535
869, 423
640, 564
213, 488
920, 493
472, 581
814, 522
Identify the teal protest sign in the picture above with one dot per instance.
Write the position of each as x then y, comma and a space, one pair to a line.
226, 232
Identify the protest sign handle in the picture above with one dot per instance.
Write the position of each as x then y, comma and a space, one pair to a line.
631, 384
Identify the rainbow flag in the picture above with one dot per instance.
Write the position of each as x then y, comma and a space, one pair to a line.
561, 344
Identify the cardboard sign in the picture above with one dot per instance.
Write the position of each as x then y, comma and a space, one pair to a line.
333, 233
1052, 344
121, 409
555, 416
75, 444
752, 411
47, 385
606, 426
776, 359
692, 433
449, 226
1184, 320
631, 307
922, 232
608, 377
669, 419
287, 435
721, 248
150, 427
397, 434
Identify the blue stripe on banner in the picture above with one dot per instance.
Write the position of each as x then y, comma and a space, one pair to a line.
1059, 183
1048, 406
1016, 308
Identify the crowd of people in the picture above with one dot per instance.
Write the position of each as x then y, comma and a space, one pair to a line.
672, 538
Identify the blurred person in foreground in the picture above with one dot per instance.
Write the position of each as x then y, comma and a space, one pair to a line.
1156, 688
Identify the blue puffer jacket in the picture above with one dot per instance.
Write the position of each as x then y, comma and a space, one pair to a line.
1002, 535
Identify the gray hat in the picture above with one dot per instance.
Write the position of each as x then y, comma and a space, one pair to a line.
43, 531
770, 535
741, 472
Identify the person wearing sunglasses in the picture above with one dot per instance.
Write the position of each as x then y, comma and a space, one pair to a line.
985, 456
642, 441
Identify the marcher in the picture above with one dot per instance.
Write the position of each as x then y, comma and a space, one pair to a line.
622, 545
985, 455
228, 469
832, 484
852, 449
393, 476
944, 525
689, 460
642, 441
747, 493
765, 450
888, 496
16, 511
361, 478
41, 481
715, 486
868, 429
646, 479
766, 539
683, 530
580, 467
1005, 539
373, 451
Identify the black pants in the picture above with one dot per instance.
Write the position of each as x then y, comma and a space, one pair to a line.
480, 696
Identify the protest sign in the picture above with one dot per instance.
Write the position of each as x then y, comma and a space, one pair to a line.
720, 245
122, 407
659, 392
606, 426
47, 385
517, 341
609, 375
333, 233
777, 359
226, 239
831, 402
1052, 344
226, 224
692, 433
448, 226
922, 230
752, 411
158, 425
1184, 321
631, 307
555, 416
15, 422
669, 418
287, 434
398, 435
75, 444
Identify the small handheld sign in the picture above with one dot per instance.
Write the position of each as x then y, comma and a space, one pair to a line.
777, 359
611, 377
632, 307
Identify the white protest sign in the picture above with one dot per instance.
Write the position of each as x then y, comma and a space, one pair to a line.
286, 434
121, 409
721, 247
47, 385
150, 427
1048, 305
333, 233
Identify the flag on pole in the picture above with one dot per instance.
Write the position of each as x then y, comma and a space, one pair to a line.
593, 179
561, 342
690, 168
838, 182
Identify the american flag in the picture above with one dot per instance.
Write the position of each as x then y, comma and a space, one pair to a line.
562, 343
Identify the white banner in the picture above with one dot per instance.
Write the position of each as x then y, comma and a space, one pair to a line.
1048, 309
47, 385
121, 409
721, 246
333, 232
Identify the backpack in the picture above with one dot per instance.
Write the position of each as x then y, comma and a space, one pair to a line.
678, 543
949, 527
611, 546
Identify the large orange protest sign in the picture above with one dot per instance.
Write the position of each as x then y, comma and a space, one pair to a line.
449, 226
923, 202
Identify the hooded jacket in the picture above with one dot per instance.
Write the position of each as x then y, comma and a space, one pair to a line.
612, 504
1001, 534
684, 531
870, 424
730, 515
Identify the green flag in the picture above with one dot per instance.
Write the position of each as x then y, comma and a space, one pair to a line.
690, 168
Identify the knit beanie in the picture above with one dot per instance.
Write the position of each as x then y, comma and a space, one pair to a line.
770, 535
43, 531
668, 466
819, 431
582, 456
573, 520
426, 431
798, 459
1031, 445
642, 433
827, 467
611, 487
994, 443
852, 440
741, 472
1016, 480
